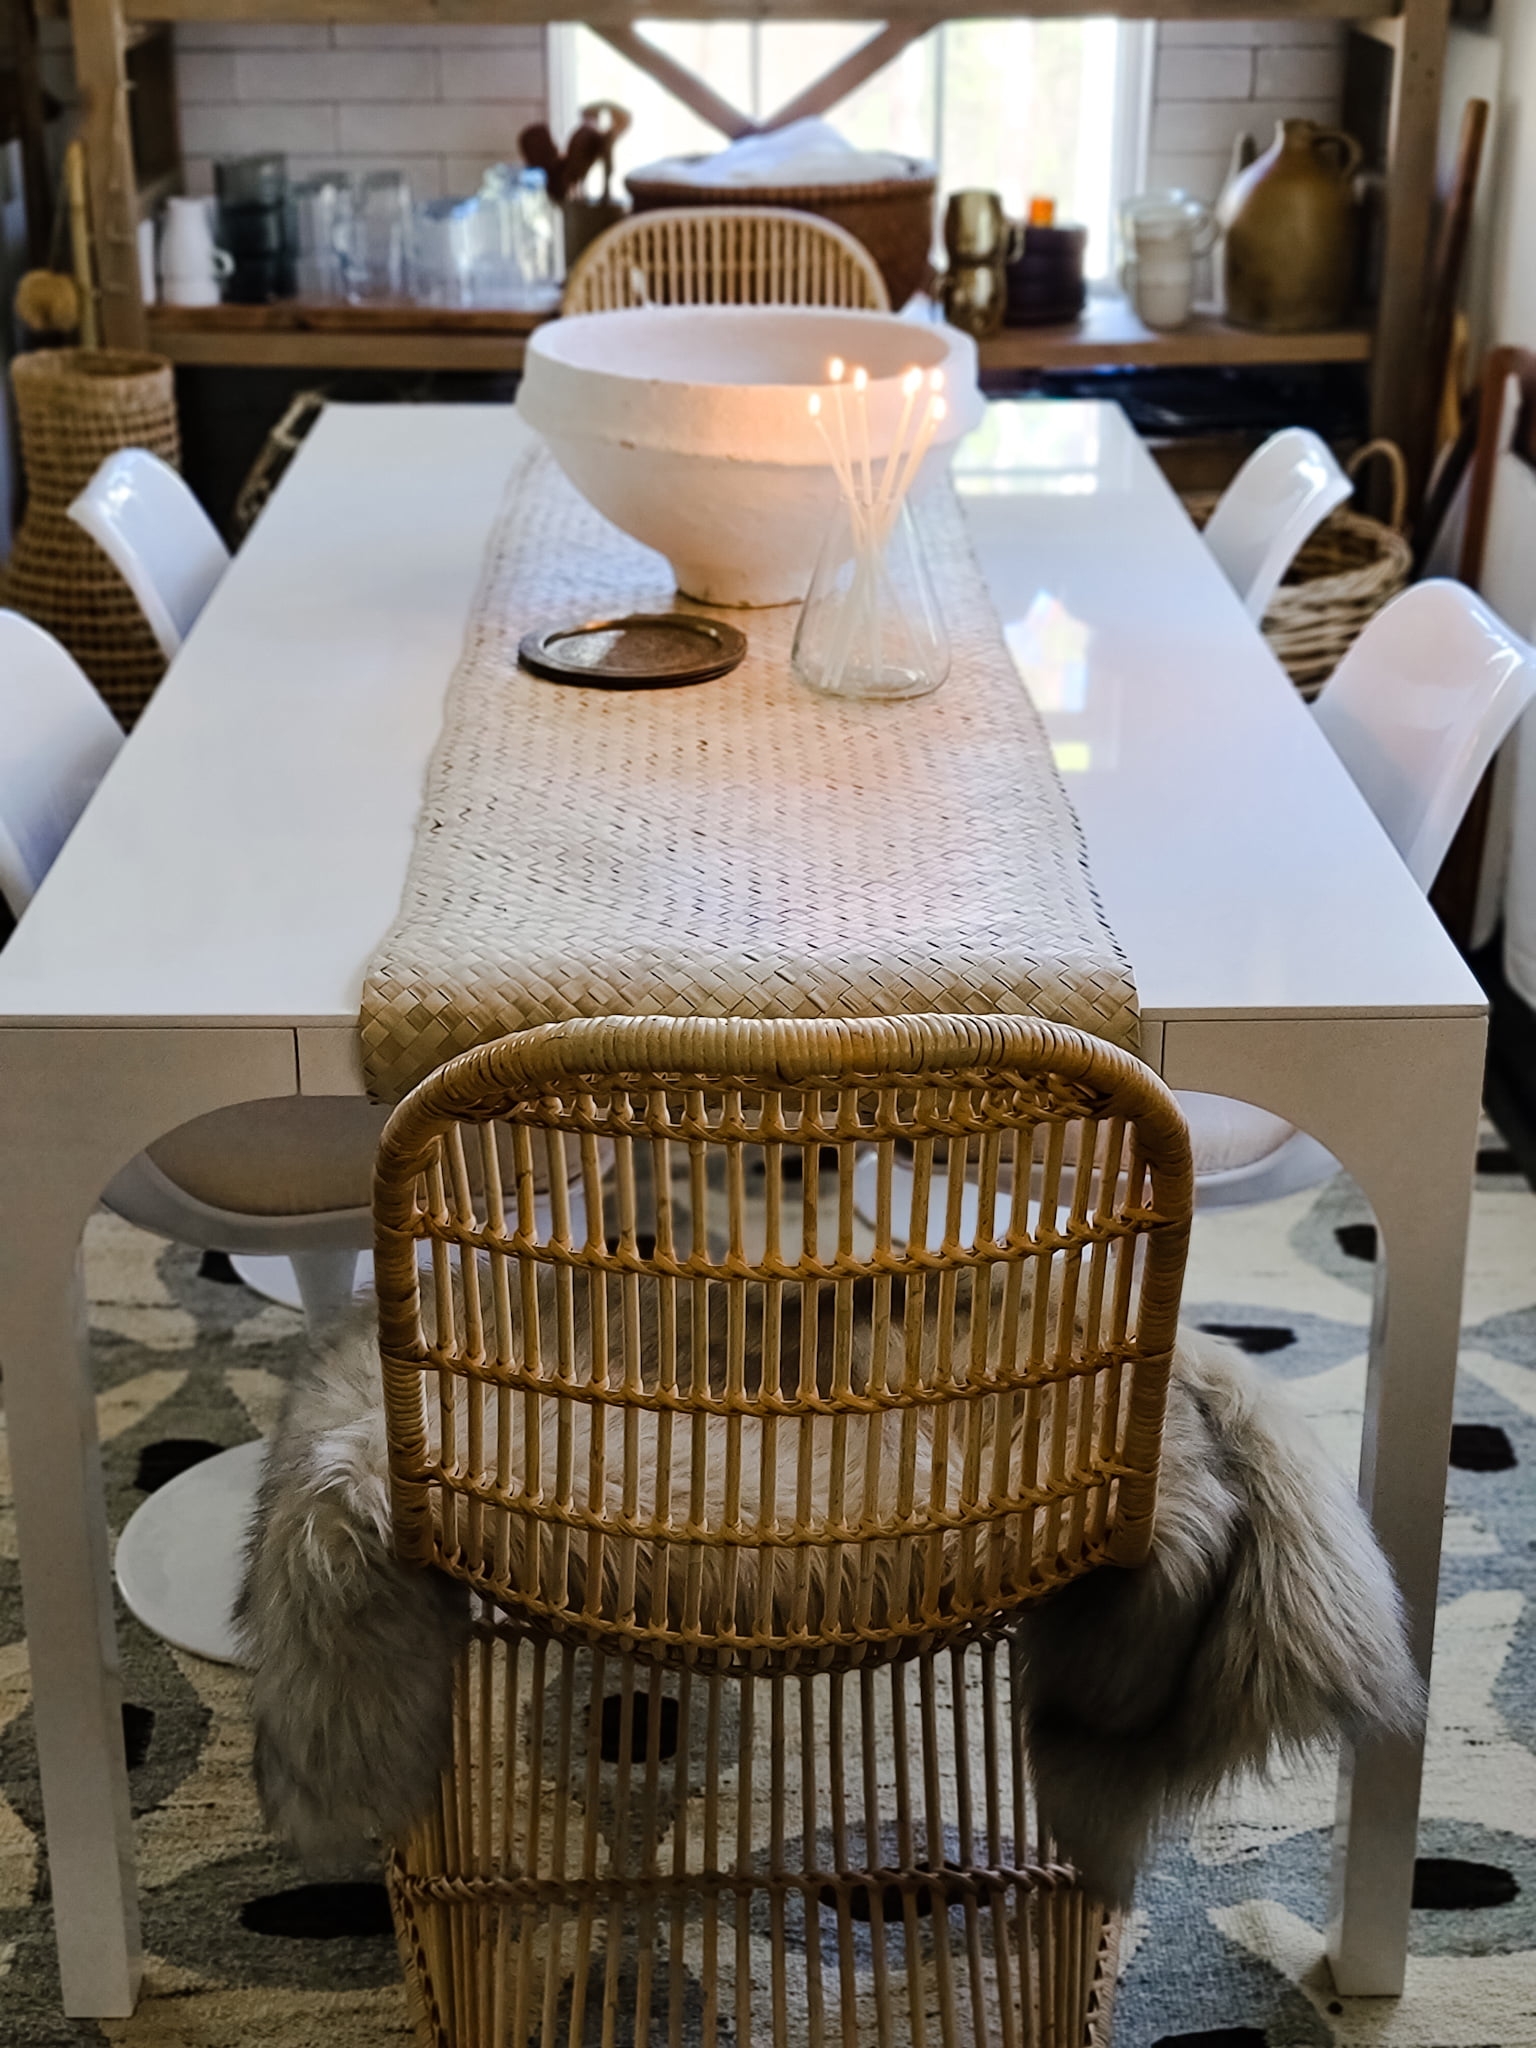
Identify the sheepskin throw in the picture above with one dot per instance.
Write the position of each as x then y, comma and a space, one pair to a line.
1266, 1620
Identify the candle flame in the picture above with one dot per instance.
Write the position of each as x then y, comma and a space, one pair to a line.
814, 404
912, 382
860, 378
835, 368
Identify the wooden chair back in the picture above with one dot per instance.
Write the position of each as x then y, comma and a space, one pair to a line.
691, 1408
724, 256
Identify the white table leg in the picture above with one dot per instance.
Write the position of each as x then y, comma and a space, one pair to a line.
1397, 1102
74, 1106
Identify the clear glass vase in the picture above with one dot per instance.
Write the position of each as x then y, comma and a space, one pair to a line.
871, 625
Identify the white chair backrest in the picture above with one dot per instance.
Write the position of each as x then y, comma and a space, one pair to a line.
1418, 708
57, 740
724, 256
159, 539
1282, 492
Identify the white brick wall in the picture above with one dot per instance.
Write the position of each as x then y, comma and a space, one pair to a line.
1217, 80
438, 102
442, 102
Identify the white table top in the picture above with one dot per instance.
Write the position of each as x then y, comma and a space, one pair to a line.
246, 853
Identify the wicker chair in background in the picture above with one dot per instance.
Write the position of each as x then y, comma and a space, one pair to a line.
724, 256
750, 1494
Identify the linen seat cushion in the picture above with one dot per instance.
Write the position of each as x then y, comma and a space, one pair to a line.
292, 1155
1226, 1135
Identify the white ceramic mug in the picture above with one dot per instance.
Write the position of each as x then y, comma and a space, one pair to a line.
191, 264
1165, 232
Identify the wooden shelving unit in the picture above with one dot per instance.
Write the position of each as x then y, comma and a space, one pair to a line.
107, 31
409, 337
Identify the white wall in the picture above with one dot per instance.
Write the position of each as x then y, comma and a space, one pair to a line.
438, 102
443, 102
1216, 80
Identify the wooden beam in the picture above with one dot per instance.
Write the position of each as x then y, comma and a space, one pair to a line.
101, 76
1397, 408
536, 12
824, 93
675, 78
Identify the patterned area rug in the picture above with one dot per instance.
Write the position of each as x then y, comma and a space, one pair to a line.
1225, 1948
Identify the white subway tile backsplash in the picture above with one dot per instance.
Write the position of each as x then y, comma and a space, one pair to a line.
1202, 127
491, 74
1211, 34
1204, 74
1203, 175
252, 35
401, 35
236, 130
336, 75
205, 75
435, 129
1309, 73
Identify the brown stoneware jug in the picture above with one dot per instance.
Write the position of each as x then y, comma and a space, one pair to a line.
1291, 248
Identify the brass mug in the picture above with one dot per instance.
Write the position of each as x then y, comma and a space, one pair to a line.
976, 229
975, 298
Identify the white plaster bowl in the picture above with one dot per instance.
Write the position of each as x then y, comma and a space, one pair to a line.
689, 427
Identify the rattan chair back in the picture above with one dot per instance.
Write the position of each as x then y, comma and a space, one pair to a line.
724, 256
708, 1416
751, 1490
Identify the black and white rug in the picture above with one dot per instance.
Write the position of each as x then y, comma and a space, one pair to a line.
1225, 1948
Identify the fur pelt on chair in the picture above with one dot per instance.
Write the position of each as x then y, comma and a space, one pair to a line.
1266, 1620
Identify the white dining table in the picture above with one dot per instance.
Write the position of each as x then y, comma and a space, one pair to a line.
202, 938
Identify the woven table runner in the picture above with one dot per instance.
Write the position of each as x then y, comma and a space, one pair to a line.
736, 848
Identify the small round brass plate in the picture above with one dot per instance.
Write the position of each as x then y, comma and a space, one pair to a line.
642, 651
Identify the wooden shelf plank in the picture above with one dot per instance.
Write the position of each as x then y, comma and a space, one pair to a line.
596, 11
1110, 334
425, 337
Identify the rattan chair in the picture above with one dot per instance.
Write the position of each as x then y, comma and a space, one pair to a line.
750, 1493
724, 256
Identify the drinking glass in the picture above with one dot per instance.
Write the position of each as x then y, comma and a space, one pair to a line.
448, 233
379, 250
322, 228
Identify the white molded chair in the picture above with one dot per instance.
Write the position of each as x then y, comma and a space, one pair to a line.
144, 518
292, 1176
1415, 711
724, 256
1282, 493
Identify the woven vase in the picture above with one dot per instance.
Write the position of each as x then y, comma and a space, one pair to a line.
76, 407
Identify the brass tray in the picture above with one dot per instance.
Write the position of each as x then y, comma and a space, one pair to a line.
638, 651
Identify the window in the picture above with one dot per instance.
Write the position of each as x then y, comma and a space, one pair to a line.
1022, 107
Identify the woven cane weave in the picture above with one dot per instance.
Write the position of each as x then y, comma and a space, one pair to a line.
751, 1490
76, 407
741, 848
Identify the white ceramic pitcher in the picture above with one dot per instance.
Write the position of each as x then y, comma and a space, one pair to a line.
1164, 234
191, 264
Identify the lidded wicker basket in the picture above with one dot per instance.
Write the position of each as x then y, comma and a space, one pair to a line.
892, 217
1343, 575
76, 407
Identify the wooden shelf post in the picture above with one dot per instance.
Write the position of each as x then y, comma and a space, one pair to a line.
101, 70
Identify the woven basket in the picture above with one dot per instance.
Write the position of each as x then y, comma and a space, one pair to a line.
892, 217
76, 407
1341, 578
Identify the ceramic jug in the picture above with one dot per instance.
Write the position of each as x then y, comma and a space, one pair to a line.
1290, 256
191, 266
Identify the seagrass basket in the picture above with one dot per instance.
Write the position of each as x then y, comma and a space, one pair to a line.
76, 407
892, 217
1342, 576
748, 1493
